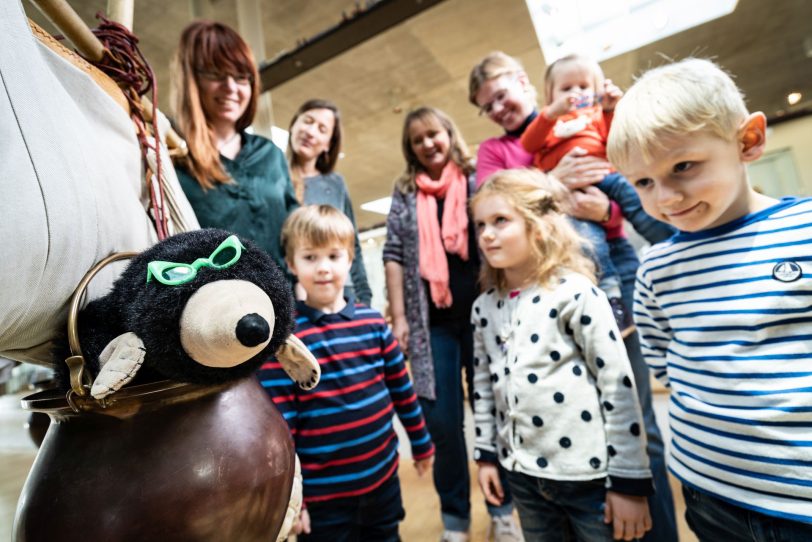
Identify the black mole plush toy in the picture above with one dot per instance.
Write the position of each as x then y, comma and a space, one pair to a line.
202, 307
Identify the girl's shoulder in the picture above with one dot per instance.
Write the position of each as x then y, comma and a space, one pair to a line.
574, 278
572, 284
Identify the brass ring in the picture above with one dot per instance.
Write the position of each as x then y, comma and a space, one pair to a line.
79, 378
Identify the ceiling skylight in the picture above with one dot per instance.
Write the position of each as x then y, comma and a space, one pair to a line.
603, 29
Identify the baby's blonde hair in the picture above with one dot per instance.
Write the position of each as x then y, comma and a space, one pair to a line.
674, 100
542, 201
317, 226
495, 64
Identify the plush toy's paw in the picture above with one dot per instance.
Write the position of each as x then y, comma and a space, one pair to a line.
118, 362
299, 363
294, 505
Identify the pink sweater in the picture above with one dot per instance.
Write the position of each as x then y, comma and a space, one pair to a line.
506, 152
498, 153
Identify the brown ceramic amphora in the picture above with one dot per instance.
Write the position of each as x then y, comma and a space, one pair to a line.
162, 461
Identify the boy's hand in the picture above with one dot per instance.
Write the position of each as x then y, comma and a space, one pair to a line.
302, 524
400, 329
424, 465
563, 104
611, 95
490, 484
628, 514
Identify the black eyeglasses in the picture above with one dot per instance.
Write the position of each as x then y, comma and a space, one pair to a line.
220, 77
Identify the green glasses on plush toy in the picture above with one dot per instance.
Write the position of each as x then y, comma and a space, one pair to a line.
172, 274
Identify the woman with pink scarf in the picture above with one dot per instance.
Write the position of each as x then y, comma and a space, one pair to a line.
432, 269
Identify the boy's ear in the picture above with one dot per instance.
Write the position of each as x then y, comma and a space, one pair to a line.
290, 266
752, 136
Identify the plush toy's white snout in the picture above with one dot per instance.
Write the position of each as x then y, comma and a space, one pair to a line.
226, 322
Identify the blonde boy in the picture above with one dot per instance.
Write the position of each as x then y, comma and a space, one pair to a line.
723, 307
343, 428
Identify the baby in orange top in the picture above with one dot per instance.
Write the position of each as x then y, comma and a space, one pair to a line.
580, 103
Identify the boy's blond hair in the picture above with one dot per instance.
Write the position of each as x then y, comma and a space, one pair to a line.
675, 100
495, 64
589, 63
542, 201
317, 226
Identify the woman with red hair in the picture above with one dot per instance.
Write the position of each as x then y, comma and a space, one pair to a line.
234, 180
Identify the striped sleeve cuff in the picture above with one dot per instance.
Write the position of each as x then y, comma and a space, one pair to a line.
424, 454
422, 447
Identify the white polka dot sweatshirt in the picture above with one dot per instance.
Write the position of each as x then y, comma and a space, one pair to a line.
553, 388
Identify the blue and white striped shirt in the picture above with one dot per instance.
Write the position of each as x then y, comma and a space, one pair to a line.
725, 319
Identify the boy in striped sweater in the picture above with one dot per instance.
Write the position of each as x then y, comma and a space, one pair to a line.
723, 307
343, 428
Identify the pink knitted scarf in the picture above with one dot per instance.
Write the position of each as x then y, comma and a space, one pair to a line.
435, 240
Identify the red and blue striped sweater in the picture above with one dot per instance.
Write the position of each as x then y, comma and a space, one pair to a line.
343, 427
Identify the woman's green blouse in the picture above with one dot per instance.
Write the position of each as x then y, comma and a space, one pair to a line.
258, 201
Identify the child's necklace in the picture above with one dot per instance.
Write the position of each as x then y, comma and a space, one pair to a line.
506, 325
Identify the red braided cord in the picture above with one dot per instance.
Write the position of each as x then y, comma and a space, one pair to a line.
126, 65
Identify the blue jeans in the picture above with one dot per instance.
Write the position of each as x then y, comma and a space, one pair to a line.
373, 516
552, 510
713, 519
618, 189
598, 250
452, 348
661, 504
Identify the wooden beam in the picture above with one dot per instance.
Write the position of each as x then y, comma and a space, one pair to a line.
330, 43
73, 27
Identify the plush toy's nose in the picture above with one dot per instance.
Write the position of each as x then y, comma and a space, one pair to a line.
214, 328
253, 329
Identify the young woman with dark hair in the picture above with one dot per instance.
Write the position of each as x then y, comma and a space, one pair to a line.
313, 150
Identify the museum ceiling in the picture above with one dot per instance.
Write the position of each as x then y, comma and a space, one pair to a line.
426, 59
